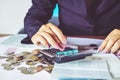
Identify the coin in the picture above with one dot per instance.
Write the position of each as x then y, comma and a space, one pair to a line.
26, 53
16, 64
19, 58
30, 62
8, 68
36, 51
21, 68
39, 68
11, 61
32, 70
2, 57
33, 57
10, 58
49, 68
9, 53
25, 71
5, 64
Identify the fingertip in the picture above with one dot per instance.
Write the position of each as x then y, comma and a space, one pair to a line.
99, 49
112, 52
105, 51
48, 46
63, 46
64, 41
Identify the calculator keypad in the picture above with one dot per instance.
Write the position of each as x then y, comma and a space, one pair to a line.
67, 52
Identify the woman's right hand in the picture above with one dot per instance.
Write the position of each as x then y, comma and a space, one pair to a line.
49, 34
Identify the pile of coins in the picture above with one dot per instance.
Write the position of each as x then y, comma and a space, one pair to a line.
35, 61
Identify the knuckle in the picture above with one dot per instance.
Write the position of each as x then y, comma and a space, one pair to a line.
115, 29
112, 40
117, 43
104, 43
101, 47
42, 28
49, 24
114, 48
33, 38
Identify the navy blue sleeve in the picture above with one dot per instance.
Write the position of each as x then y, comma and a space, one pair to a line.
39, 14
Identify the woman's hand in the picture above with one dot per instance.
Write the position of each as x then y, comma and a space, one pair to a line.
50, 34
111, 43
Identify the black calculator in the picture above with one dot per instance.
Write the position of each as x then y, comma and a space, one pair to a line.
69, 54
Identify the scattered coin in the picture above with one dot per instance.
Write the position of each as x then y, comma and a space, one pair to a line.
26, 53
39, 68
49, 68
30, 62
8, 68
21, 68
33, 57
9, 58
5, 64
16, 64
18, 58
25, 71
2, 57
32, 68
36, 51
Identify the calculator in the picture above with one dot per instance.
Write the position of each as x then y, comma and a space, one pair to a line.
69, 54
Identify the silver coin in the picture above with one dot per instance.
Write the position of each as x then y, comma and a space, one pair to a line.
5, 64
16, 64
8, 68
21, 68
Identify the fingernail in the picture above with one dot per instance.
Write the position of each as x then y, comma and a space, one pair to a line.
48, 46
61, 49
64, 41
57, 46
105, 51
99, 50
111, 52
63, 46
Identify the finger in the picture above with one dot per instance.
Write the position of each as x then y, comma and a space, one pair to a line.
115, 47
39, 39
103, 45
110, 43
48, 30
34, 40
62, 46
58, 32
42, 28
49, 39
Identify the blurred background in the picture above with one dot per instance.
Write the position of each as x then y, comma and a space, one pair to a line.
12, 13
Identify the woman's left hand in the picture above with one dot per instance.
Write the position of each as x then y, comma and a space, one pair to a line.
112, 43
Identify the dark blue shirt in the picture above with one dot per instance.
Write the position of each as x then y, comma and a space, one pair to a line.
75, 16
